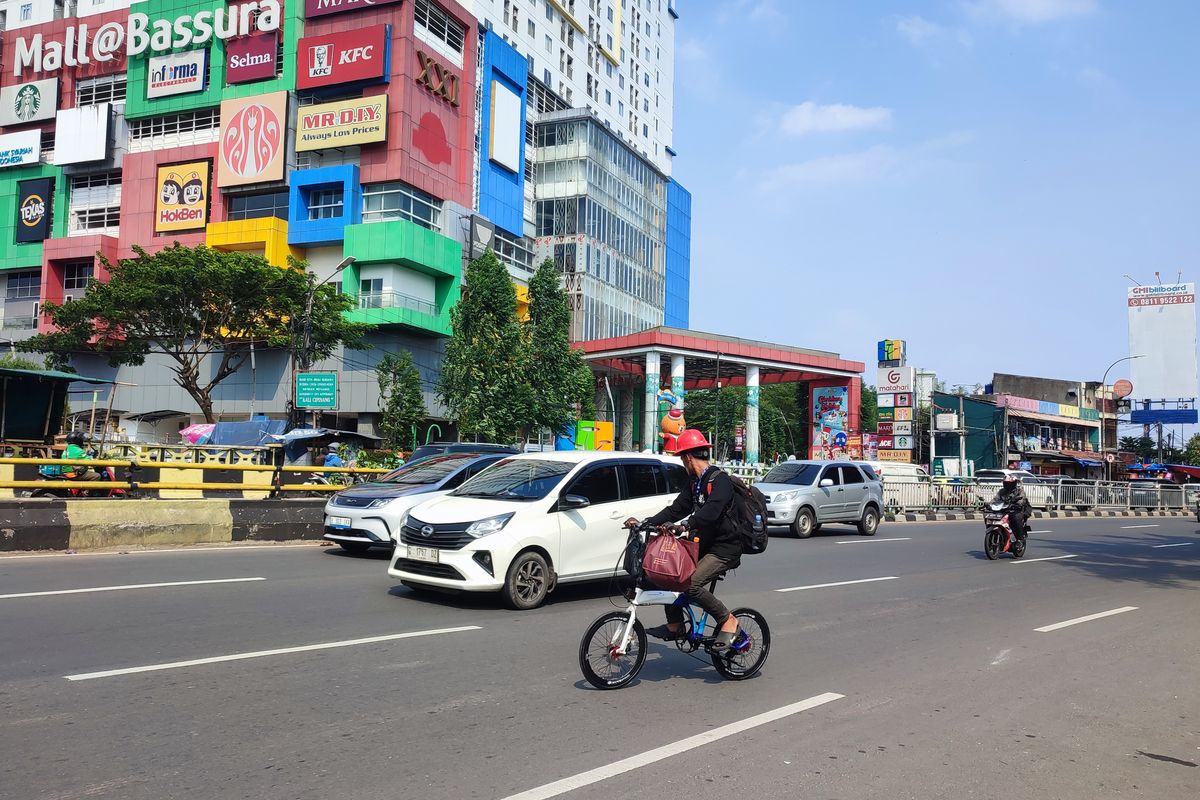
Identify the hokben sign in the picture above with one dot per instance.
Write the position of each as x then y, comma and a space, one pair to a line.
341, 124
352, 56
320, 8
182, 202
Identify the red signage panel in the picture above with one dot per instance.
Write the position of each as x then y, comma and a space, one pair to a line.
251, 58
886, 428
320, 8
352, 56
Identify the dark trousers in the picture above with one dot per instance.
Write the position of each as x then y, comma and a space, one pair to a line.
1017, 520
698, 594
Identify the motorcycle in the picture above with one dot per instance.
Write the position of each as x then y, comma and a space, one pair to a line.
1000, 537
94, 488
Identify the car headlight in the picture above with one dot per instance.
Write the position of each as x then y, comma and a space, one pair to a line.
488, 526
786, 497
404, 520
380, 502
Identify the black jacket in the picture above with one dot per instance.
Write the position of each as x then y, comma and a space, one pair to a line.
711, 520
1015, 496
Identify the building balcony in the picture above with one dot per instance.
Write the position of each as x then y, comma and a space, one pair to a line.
14, 323
395, 308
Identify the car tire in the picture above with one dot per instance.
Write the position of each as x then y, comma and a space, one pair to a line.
869, 524
804, 525
527, 582
354, 547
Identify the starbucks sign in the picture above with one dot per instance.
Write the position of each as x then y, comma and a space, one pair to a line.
33, 101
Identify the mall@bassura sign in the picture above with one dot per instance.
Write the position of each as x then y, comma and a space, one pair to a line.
81, 45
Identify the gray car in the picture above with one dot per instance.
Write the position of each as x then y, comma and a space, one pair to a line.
807, 494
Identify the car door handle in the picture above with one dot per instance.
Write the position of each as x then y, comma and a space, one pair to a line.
617, 515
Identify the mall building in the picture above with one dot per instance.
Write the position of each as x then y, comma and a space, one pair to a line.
408, 134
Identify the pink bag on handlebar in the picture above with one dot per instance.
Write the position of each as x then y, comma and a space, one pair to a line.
670, 562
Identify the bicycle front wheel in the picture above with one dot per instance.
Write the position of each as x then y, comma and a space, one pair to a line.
749, 651
601, 664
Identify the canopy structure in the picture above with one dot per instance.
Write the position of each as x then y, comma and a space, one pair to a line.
32, 402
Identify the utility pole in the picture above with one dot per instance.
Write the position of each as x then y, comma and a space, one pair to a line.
962, 437
932, 434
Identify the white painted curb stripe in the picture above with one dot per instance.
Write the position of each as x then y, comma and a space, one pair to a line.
866, 541
839, 583
667, 751
87, 676
1134, 527
1048, 558
128, 586
1177, 544
226, 548
1088, 618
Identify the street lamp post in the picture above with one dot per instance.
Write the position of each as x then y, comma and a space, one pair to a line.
1103, 384
305, 355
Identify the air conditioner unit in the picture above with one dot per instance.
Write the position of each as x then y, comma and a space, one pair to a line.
68, 298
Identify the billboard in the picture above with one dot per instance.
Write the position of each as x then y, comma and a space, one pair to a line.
177, 73
350, 56
342, 124
894, 380
19, 149
252, 58
82, 134
321, 8
1162, 331
33, 101
35, 209
252, 145
182, 200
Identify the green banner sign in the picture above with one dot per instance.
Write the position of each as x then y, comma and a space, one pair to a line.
317, 390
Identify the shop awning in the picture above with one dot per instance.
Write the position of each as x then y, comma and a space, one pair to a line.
155, 416
1085, 423
1191, 472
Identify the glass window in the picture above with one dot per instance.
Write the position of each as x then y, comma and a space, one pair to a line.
869, 471
326, 203
76, 275
105, 89
258, 206
427, 470
832, 474
793, 472
516, 479
850, 474
643, 480
174, 130
95, 204
598, 484
24, 285
435, 27
395, 200
677, 478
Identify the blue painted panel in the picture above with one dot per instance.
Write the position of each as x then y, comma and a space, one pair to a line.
501, 192
678, 256
310, 232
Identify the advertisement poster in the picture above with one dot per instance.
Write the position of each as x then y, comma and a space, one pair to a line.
182, 200
251, 58
831, 416
351, 56
341, 124
35, 209
177, 73
20, 149
34, 101
252, 142
321, 8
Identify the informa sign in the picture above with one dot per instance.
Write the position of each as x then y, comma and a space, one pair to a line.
320, 8
1162, 330
182, 200
894, 380
35, 209
350, 56
252, 145
18, 149
32, 101
347, 122
252, 58
317, 390
177, 73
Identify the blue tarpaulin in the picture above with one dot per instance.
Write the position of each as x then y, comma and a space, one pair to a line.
247, 433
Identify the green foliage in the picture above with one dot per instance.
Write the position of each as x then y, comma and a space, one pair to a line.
192, 304
559, 379
1142, 446
402, 405
1191, 451
378, 459
868, 410
9, 361
781, 418
484, 382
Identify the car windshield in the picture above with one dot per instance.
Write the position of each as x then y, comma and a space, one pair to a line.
795, 474
520, 479
428, 470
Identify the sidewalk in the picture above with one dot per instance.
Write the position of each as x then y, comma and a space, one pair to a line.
957, 516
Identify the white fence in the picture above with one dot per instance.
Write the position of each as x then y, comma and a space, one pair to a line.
911, 494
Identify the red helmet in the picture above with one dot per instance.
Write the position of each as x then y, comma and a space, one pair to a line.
690, 439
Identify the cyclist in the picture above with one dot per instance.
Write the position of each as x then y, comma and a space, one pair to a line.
706, 503
1013, 496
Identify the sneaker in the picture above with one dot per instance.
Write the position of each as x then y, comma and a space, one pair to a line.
665, 633
725, 638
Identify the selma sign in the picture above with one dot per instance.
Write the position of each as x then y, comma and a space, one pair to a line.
81, 45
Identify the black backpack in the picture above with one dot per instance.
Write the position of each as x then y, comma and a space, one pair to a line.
749, 515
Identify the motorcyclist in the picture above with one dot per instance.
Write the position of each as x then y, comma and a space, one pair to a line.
706, 503
1012, 495
332, 459
75, 450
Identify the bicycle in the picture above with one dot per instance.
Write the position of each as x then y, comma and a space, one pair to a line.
613, 650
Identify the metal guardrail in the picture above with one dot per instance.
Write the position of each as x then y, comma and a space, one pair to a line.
957, 494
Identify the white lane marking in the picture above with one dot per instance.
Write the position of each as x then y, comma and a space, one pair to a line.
1041, 531
863, 541
1088, 618
668, 750
87, 676
1134, 527
1001, 657
128, 586
230, 549
1177, 544
1047, 558
839, 583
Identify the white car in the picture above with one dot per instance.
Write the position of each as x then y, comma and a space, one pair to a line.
533, 521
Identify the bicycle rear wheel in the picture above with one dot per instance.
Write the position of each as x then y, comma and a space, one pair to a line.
749, 651
600, 665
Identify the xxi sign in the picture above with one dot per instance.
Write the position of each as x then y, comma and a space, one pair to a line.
438, 79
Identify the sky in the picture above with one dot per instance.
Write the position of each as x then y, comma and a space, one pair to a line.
973, 176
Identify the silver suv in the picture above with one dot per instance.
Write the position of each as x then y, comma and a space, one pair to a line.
806, 494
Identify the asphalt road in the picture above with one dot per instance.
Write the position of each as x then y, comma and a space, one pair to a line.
932, 683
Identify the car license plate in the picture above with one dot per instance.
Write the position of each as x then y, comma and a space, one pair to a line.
339, 522
423, 553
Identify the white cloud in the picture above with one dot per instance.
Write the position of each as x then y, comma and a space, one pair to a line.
809, 117
1032, 11
921, 32
869, 164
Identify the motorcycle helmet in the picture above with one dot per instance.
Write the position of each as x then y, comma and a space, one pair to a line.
75, 438
333, 448
1010, 479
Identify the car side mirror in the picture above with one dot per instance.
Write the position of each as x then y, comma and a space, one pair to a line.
826, 483
573, 502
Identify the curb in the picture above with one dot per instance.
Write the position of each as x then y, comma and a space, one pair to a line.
962, 516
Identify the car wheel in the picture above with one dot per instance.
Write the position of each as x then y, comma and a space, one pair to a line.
804, 524
354, 547
527, 582
869, 523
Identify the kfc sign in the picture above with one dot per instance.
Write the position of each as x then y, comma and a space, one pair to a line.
356, 56
251, 58
319, 8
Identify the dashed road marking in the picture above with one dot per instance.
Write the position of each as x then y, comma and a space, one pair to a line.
838, 583
128, 586
1047, 558
1088, 618
865, 541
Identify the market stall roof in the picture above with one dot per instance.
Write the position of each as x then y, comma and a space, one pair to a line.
1191, 472
306, 434
52, 375
1087, 423
155, 416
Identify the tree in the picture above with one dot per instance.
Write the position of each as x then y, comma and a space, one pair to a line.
484, 385
868, 410
10, 361
559, 378
1191, 452
193, 304
402, 404
1143, 447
